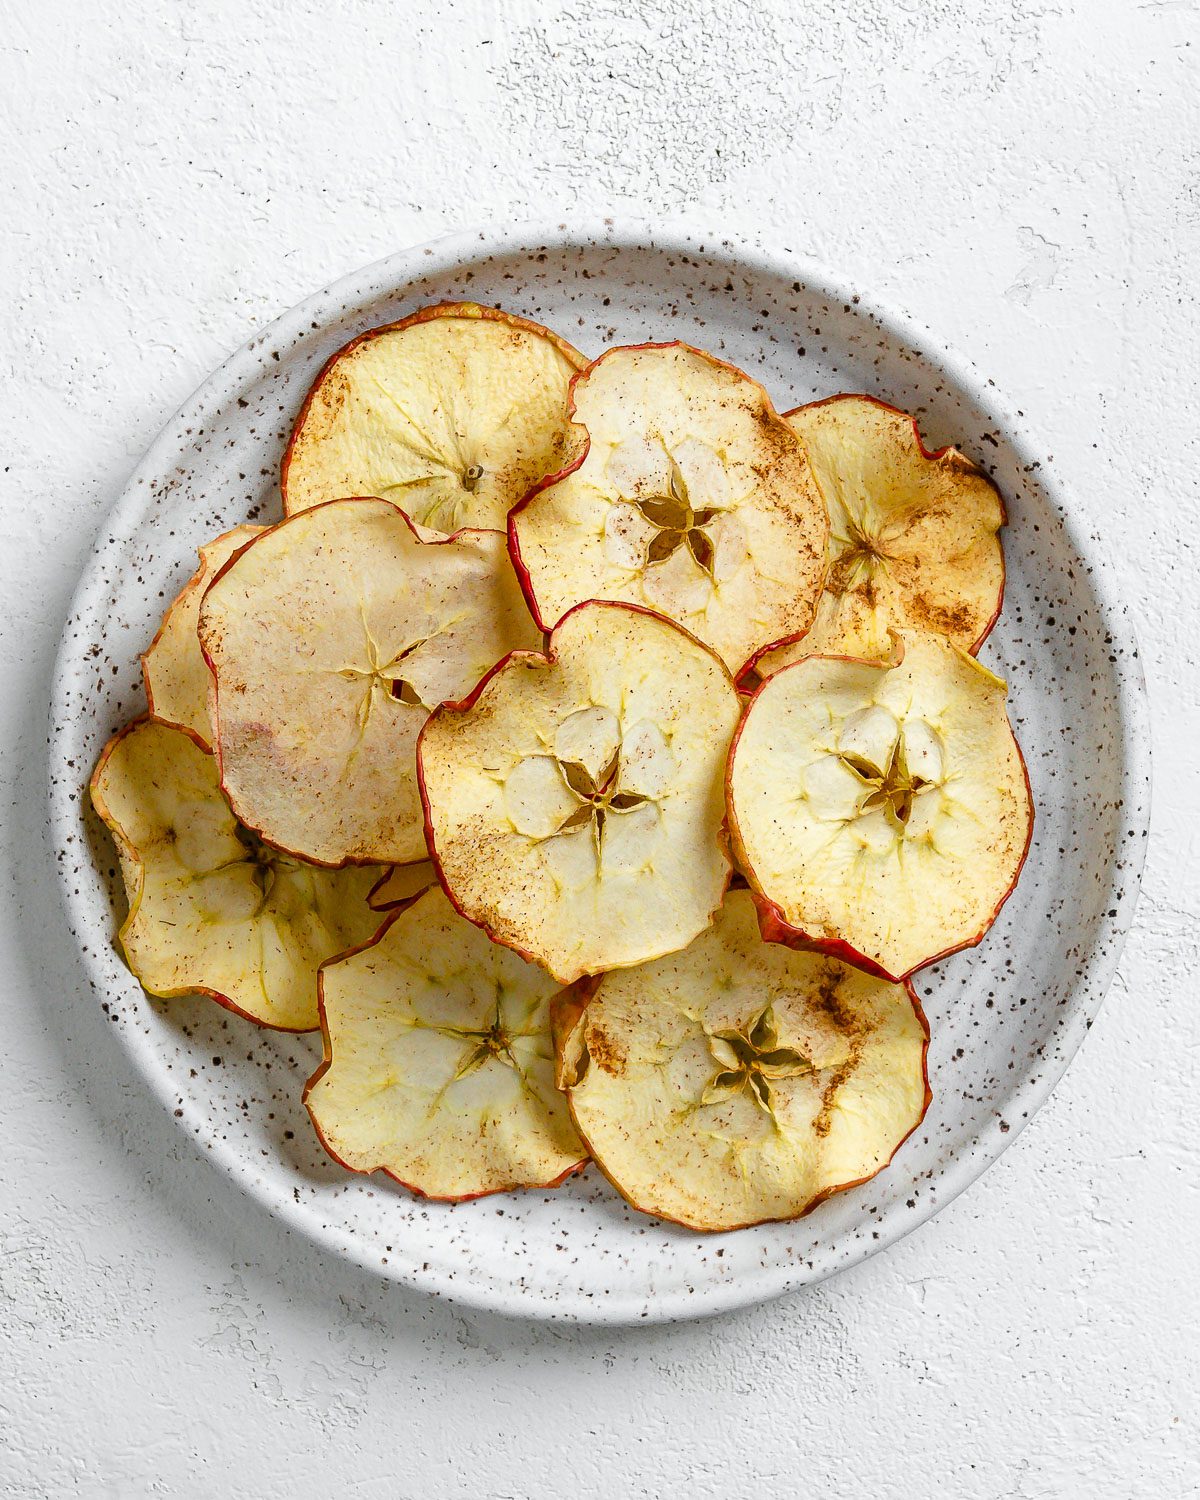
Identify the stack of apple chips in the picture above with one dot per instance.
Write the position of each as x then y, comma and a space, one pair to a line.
592, 754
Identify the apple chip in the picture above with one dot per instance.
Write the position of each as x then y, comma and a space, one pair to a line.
211, 909
573, 801
687, 494
176, 674
914, 536
881, 811
439, 1067
741, 1081
330, 637
455, 414
400, 884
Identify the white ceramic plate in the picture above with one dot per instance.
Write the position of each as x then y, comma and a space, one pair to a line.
1006, 1016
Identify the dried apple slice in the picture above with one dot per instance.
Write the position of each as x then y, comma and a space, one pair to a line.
330, 637
881, 811
439, 1066
454, 414
173, 667
688, 494
740, 1081
211, 909
573, 801
400, 884
914, 536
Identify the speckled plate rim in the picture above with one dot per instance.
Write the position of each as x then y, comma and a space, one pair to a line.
440, 256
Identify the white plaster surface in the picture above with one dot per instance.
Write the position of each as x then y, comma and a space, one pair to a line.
1023, 175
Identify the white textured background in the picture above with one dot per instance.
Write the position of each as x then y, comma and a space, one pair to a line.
1023, 175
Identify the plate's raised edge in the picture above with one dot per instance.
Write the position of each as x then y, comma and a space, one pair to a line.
441, 256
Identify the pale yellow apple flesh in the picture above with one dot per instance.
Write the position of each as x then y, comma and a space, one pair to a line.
400, 884
881, 809
439, 1065
330, 638
741, 1081
691, 497
211, 909
574, 803
914, 539
453, 414
175, 672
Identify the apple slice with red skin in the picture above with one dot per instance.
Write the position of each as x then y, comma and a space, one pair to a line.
400, 884
439, 1064
914, 540
573, 801
741, 1082
453, 413
688, 494
329, 638
881, 811
173, 667
212, 910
